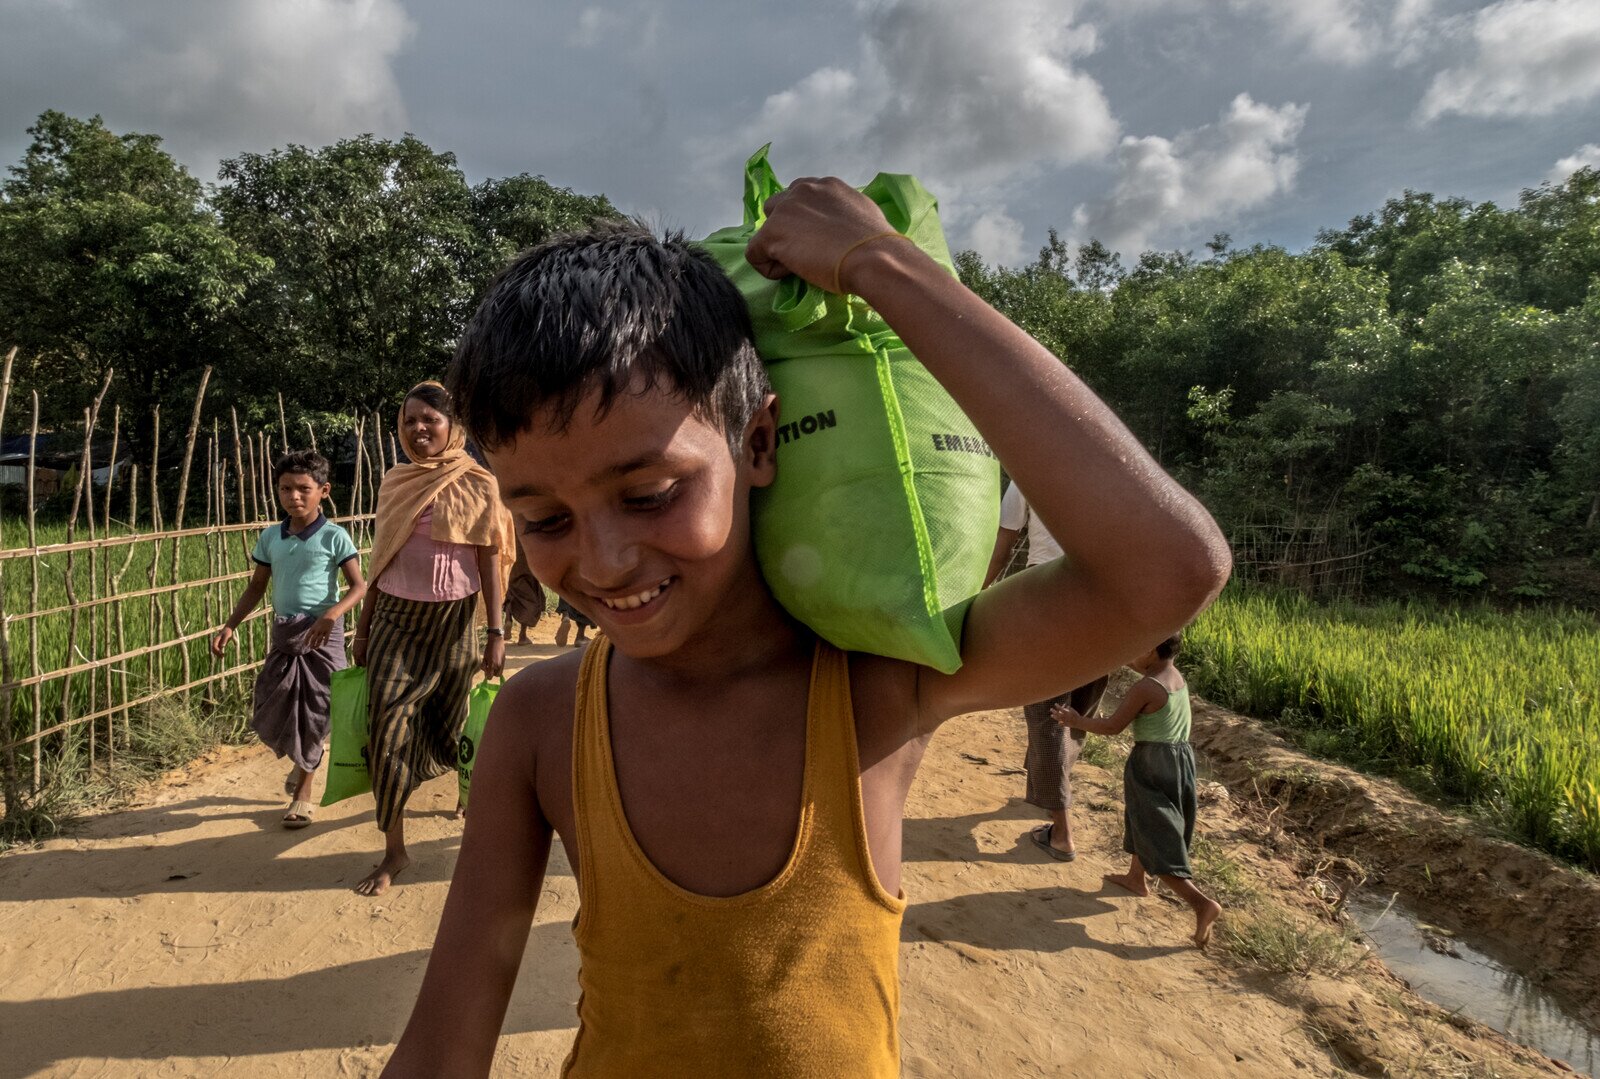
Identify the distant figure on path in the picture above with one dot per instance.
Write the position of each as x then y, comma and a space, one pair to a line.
525, 599
301, 560
1158, 784
442, 539
1052, 751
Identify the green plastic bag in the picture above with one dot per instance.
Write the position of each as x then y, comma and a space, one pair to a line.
347, 730
879, 528
479, 701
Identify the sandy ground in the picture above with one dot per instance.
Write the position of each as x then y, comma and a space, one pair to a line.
190, 935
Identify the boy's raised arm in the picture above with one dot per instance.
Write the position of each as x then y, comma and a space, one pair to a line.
499, 874
1143, 557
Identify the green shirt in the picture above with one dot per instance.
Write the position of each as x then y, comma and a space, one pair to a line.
1169, 723
305, 565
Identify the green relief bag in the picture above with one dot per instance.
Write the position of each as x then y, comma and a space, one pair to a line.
347, 732
479, 701
879, 528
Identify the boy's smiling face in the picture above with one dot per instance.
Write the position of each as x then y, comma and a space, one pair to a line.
640, 517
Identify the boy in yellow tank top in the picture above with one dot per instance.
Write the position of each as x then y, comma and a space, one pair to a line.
728, 789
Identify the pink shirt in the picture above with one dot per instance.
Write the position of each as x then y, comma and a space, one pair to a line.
430, 571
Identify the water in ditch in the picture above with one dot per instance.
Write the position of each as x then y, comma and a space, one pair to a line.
1471, 983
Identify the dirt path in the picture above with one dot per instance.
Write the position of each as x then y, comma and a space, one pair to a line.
190, 935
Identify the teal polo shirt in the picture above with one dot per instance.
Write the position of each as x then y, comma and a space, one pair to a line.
305, 565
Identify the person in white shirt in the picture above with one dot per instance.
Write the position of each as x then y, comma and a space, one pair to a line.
1052, 748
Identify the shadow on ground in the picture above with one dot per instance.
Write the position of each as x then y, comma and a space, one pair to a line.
356, 1004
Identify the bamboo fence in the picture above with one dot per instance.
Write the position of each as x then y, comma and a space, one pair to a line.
119, 614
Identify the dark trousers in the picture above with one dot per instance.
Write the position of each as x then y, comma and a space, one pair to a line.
1052, 749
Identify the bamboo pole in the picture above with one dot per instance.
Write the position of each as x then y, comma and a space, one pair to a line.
116, 591
151, 673
283, 424
357, 502
71, 583
207, 594
33, 592
10, 790
105, 569
238, 466
313, 436
255, 482
177, 521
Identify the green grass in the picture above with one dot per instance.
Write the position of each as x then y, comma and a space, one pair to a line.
1271, 938
1499, 710
164, 734
75, 636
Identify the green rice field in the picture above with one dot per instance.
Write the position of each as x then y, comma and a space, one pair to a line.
1501, 710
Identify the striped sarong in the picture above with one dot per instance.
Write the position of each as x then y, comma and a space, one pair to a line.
290, 706
1052, 750
420, 660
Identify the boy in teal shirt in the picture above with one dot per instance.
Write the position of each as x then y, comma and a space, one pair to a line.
301, 558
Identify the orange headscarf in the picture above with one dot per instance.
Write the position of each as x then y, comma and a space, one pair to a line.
464, 495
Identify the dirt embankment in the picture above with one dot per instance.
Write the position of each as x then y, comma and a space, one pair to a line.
1514, 904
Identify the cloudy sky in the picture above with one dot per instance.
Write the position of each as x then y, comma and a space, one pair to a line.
1147, 123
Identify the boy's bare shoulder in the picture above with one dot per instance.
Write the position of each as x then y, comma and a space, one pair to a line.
536, 703
534, 711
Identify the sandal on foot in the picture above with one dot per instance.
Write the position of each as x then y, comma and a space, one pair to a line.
299, 814
1041, 838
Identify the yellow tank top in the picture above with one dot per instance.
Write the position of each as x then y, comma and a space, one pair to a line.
798, 977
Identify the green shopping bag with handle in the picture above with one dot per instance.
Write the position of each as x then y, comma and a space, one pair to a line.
348, 734
879, 527
479, 701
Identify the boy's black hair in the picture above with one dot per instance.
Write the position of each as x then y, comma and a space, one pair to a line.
302, 462
1171, 646
593, 310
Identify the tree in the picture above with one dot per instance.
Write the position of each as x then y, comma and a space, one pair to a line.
518, 212
380, 250
109, 258
373, 247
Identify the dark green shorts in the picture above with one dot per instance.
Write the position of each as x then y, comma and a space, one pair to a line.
1159, 806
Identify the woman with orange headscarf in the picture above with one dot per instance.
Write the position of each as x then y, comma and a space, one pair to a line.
443, 539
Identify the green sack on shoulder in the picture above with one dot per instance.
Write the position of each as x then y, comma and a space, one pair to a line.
479, 701
347, 749
878, 530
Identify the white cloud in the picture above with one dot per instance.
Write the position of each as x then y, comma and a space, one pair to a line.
1341, 31
963, 94
976, 100
217, 78
1586, 156
1201, 177
635, 30
1346, 32
997, 236
1530, 58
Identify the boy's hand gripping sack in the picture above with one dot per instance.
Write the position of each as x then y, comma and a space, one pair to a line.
479, 701
348, 775
878, 530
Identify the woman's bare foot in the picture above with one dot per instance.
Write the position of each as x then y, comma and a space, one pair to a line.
1204, 918
1129, 882
377, 882
461, 811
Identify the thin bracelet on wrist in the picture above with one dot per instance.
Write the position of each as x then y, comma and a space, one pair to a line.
495, 631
